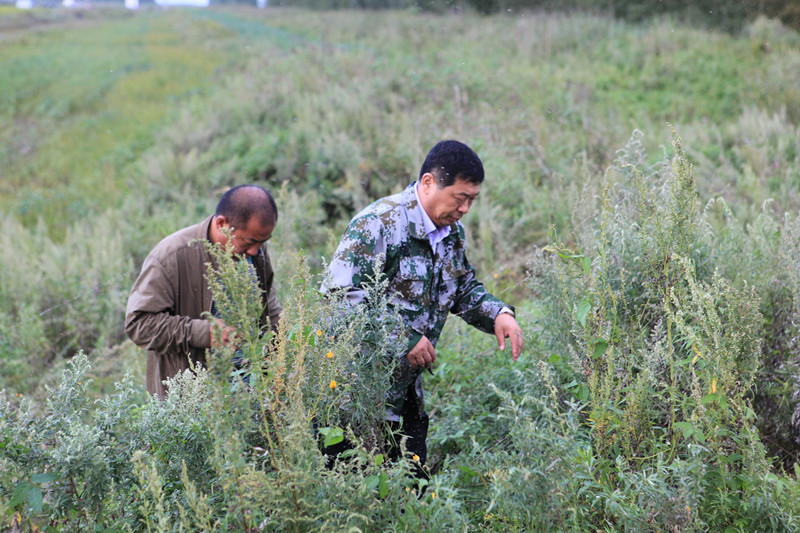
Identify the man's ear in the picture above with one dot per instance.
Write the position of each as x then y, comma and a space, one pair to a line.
220, 221
427, 181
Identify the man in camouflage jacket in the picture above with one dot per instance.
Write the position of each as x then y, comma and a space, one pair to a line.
421, 240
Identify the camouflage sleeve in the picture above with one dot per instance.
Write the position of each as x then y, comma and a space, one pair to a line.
354, 260
353, 266
474, 303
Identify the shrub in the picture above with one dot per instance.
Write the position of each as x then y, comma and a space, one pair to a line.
221, 453
664, 348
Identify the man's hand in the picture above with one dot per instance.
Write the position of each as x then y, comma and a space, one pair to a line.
423, 354
505, 327
228, 336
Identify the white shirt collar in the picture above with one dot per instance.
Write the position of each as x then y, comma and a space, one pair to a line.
435, 235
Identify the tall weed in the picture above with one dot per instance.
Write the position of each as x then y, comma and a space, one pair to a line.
663, 348
222, 453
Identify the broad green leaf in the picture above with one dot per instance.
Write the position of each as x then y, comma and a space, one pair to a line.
686, 427
332, 435
467, 470
709, 398
586, 263
583, 310
600, 348
44, 478
582, 392
35, 499
372, 482
20, 494
379, 459
383, 485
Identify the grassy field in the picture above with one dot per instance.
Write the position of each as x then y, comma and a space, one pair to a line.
652, 395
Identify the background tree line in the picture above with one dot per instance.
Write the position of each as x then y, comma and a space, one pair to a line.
708, 13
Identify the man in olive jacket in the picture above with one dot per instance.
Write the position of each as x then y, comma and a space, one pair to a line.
167, 304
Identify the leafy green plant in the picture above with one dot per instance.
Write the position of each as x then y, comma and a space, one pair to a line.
668, 349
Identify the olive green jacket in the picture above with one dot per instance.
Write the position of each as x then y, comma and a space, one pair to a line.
166, 306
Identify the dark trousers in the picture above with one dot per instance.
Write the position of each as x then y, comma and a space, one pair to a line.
413, 427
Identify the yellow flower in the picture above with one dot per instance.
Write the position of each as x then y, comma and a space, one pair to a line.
714, 385
319, 333
433, 496
415, 458
495, 276
330, 355
333, 384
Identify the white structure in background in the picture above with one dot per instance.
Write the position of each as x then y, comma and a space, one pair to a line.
191, 3
261, 4
132, 4
24, 4
69, 3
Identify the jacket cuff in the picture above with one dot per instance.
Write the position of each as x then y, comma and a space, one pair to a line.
503, 306
201, 333
413, 338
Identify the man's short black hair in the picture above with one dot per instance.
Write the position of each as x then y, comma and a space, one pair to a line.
241, 203
449, 160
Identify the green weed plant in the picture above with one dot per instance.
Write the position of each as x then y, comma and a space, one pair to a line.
220, 453
623, 429
336, 109
664, 351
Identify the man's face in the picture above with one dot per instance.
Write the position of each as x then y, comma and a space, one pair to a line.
247, 240
446, 205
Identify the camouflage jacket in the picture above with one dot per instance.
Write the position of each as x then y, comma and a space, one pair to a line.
424, 285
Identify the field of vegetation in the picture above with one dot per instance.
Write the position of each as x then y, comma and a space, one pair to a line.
640, 209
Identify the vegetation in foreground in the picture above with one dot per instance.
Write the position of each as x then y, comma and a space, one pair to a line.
661, 310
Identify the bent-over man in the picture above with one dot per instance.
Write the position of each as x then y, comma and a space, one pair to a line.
419, 233
167, 304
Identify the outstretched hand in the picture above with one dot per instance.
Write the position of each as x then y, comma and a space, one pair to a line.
506, 327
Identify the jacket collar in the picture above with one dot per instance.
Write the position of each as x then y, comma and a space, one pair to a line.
416, 225
202, 229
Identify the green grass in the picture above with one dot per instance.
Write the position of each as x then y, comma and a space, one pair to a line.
118, 128
82, 101
148, 115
